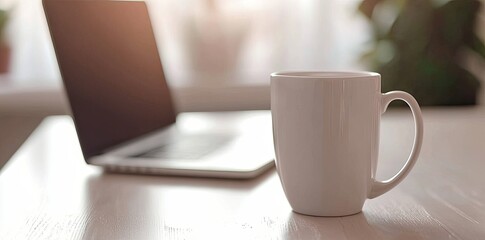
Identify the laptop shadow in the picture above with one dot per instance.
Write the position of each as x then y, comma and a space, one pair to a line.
136, 180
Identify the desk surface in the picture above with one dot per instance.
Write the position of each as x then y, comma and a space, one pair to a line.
48, 192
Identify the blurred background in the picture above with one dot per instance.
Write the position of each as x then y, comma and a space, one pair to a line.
210, 42
218, 54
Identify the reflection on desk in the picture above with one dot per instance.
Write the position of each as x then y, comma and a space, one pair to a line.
48, 192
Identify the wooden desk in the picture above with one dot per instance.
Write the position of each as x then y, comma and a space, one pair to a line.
48, 192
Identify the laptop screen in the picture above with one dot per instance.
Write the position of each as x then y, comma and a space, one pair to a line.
111, 70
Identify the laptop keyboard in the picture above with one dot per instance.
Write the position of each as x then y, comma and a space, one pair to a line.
188, 147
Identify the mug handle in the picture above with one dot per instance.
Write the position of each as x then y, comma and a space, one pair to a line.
380, 187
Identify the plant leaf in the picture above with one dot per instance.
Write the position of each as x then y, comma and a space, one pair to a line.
367, 7
476, 44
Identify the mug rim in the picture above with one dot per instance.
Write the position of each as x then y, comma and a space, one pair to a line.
325, 74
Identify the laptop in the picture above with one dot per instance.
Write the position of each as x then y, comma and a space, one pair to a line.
122, 107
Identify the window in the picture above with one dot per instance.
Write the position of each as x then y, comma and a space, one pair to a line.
217, 54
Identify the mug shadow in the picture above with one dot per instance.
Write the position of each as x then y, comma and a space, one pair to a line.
364, 225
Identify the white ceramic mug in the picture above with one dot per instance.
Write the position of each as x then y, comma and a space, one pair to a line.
326, 136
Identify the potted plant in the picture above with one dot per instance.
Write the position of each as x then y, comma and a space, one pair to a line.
4, 46
420, 48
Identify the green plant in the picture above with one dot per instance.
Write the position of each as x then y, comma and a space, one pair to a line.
420, 48
4, 15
